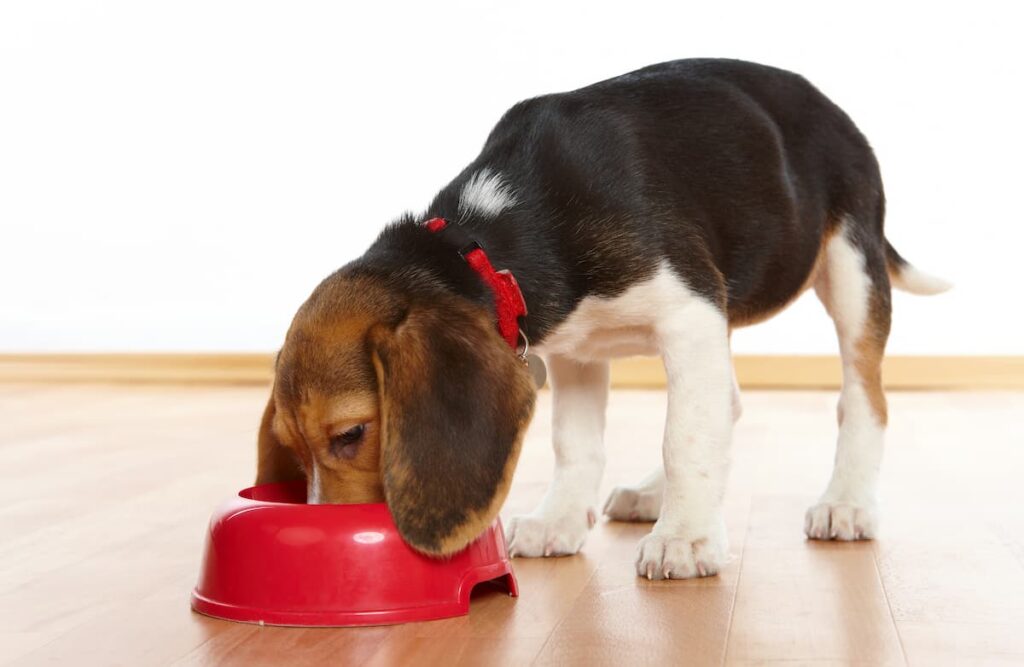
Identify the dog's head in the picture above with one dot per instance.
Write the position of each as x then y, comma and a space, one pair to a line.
407, 396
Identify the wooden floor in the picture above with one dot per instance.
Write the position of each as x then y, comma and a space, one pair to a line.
105, 493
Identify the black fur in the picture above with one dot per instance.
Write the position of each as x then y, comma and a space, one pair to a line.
731, 172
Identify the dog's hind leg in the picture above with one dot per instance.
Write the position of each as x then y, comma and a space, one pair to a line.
568, 511
640, 502
854, 287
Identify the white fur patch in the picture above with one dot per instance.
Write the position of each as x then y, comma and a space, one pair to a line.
568, 511
604, 328
843, 286
639, 502
486, 193
911, 279
313, 491
660, 315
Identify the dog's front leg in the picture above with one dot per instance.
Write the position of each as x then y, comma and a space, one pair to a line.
561, 522
689, 538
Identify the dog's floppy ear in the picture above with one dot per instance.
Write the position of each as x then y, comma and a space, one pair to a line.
455, 402
274, 463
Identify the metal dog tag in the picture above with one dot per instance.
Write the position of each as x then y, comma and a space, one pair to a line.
538, 371
534, 364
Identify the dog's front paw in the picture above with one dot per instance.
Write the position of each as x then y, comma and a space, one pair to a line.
841, 521
631, 503
667, 555
535, 535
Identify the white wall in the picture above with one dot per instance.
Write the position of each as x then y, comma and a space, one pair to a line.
178, 176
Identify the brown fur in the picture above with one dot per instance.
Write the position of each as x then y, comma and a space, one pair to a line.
871, 350
274, 463
455, 403
324, 384
444, 400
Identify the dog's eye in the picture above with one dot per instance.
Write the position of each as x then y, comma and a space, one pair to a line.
346, 444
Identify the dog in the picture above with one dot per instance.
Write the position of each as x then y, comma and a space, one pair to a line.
651, 213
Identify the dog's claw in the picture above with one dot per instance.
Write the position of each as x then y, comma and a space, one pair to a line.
672, 557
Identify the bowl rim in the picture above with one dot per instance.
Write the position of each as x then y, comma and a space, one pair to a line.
259, 501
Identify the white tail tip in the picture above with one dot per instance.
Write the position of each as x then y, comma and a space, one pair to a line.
909, 279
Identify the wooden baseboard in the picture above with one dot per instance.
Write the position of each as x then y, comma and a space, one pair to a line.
186, 368
753, 371
825, 372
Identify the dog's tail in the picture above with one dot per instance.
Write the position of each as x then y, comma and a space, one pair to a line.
906, 277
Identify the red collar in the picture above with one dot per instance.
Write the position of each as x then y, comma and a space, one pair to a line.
508, 298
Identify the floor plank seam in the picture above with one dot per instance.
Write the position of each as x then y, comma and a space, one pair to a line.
736, 589
888, 602
562, 619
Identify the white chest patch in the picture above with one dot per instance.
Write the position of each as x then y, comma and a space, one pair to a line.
486, 193
621, 326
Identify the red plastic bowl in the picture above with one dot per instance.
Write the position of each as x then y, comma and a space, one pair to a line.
271, 558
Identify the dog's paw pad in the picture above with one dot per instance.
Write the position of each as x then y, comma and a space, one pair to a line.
841, 521
533, 536
666, 556
627, 503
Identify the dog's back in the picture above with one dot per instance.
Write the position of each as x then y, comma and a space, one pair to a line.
733, 172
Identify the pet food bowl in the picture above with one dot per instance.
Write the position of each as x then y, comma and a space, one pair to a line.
271, 558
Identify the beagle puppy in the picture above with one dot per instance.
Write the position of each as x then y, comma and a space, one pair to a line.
651, 213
